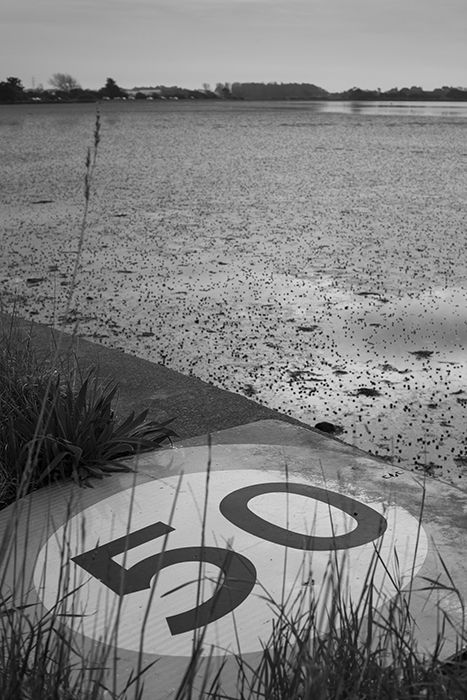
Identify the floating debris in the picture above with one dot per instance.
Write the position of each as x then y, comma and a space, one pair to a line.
329, 428
307, 329
386, 367
377, 295
421, 354
367, 391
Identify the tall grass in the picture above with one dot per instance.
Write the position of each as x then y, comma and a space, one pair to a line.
57, 425
325, 645
367, 651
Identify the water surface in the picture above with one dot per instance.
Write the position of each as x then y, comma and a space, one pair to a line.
310, 255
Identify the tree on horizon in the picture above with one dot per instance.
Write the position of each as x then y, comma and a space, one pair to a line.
112, 90
64, 82
11, 90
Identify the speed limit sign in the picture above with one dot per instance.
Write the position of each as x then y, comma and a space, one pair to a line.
255, 537
216, 539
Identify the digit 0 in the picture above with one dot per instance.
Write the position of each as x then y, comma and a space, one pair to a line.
370, 524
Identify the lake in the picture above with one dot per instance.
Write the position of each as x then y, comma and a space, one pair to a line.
310, 255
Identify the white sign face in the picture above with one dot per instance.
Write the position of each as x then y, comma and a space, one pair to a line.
222, 565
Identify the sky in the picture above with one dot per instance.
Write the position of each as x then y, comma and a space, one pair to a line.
336, 44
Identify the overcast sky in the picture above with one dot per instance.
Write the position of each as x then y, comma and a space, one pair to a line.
336, 44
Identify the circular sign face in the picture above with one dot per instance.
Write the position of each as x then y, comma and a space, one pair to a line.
176, 555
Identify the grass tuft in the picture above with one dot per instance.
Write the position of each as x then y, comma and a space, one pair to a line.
59, 425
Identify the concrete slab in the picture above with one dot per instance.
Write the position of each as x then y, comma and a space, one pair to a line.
255, 513
196, 406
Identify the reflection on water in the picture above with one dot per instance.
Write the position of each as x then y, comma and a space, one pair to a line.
435, 319
349, 107
424, 109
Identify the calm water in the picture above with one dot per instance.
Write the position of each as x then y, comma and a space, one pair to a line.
301, 253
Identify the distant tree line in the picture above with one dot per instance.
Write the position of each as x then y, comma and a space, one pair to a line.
307, 91
400, 94
65, 88
278, 91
